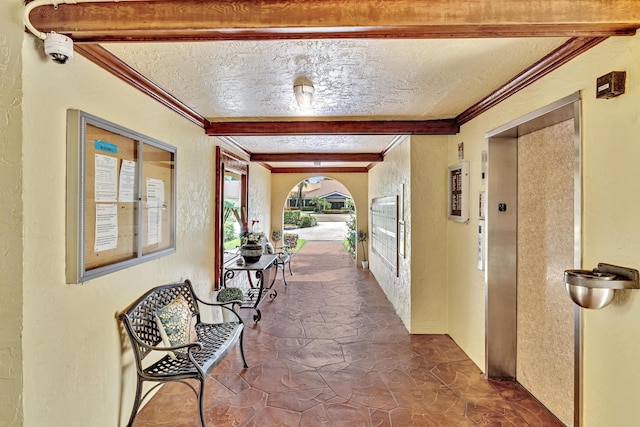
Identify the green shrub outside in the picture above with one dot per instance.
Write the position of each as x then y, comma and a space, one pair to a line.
233, 243
345, 243
291, 217
307, 221
320, 204
351, 236
229, 231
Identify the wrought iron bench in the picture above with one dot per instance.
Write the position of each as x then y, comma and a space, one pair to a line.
199, 358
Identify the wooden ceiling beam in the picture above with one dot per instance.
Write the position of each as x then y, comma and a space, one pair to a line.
535, 72
321, 170
162, 20
337, 127
316, 157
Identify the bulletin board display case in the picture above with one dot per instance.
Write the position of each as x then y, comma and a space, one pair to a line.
121, 201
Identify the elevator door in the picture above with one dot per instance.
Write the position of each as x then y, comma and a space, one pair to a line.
545, 242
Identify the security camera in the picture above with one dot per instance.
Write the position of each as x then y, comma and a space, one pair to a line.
59, 47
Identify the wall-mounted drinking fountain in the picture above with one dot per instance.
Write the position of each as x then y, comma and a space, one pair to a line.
596, 288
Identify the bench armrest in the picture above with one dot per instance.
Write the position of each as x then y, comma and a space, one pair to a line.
217, 303
223, 305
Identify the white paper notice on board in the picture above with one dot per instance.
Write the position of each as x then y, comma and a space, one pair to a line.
127, 181
154, 226
155, 192
106, 227
106, 186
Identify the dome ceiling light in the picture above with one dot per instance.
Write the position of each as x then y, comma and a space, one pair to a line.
304, 94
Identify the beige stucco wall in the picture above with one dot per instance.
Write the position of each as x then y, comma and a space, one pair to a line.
71, 339
11, 222
387, 179
611, 184
356, 183
428, 235
466, 292
612, 234
76, 323
415, 170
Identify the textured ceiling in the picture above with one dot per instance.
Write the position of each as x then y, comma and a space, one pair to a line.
382, 79
354, 79
316, 143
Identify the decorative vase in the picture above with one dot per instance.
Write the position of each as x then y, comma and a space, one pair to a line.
251, 252
365, 264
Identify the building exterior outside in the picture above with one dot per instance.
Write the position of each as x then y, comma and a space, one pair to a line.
332, 191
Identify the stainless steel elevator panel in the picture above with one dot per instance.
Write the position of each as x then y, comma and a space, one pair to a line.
501, 273
501, 257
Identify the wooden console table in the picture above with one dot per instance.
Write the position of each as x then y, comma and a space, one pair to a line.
255, 294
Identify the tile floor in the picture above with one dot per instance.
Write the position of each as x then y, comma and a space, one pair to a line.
330, 351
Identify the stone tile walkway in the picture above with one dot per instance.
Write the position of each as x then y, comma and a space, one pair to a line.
330, 351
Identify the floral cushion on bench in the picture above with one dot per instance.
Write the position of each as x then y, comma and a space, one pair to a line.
176, 325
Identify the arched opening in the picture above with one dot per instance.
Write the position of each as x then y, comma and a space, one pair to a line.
318, 207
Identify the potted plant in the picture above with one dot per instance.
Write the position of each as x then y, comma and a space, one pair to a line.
362, 237
234, 296
251, 249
